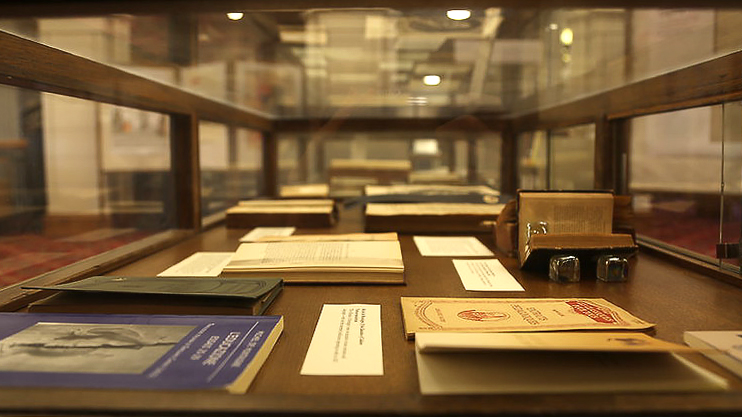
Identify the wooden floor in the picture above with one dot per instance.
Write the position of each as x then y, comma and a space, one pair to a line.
658, 291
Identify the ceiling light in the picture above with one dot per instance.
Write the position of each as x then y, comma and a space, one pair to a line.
432, 79
461, 14
566, 36
235, 16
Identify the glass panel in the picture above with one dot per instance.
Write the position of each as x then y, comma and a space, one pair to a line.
77, 178
489, 160
572, 158
532, 161
442, 156
314, 62
675, 173
731, 231
231, 165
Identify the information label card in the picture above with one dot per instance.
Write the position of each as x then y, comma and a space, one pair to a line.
451, 246
346, 341
485, 275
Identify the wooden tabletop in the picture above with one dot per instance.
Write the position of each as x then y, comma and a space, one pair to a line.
657, 291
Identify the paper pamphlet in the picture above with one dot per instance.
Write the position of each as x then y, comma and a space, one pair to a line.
200, 264
544, 341
485, 275
428, 314
261, 232
346, 341
511, 372
451, 246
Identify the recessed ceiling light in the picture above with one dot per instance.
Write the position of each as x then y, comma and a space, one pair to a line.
432, 79
566, 37
459, 14
235, 16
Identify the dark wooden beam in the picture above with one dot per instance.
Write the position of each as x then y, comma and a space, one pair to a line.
509, 161
28, 64
270, 165
186, 171
711, 82
488, 121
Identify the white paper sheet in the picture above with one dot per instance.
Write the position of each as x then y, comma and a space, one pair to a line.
451, 246
259, 232
485, 275
200, 264
346, 341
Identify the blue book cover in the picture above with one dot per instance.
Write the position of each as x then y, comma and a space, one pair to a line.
134, 351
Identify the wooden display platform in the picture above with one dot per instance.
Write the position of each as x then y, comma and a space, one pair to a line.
658, 291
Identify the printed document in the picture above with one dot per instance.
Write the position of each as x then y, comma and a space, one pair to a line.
346, 341
200, 264
259, 232
451, 246
485, 275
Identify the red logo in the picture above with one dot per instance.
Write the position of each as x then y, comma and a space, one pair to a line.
594, 312
475, 315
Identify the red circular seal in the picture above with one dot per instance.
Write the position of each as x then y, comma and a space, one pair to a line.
475, 315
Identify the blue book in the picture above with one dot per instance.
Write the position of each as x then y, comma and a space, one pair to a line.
129, 351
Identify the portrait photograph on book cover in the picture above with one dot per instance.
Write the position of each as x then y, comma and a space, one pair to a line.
94, 348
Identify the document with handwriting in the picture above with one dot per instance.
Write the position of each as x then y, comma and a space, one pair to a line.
346, 341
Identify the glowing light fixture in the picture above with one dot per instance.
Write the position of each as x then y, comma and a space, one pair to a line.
566, 37
235, 16
459, 14
432, 80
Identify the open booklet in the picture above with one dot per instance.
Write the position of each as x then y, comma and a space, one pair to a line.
286, 212
431, 217
354, 258
556, 362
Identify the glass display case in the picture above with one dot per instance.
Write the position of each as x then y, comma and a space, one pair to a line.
636, 100
130, 127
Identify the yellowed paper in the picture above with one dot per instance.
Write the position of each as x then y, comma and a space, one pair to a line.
347, 237
433, 209
424, 314
574, 341
200, 264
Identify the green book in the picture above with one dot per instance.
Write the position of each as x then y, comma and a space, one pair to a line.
160, 295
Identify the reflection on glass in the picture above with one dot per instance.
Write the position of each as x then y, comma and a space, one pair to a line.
77, 178
532, 160
572, 158
346, 161
313, 62
675, 175
732, 190
489, 160
231, 166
